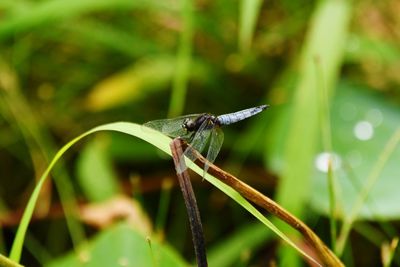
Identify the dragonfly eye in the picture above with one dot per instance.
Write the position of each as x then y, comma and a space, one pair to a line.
185, 123
188, 124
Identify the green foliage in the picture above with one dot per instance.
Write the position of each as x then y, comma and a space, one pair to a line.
95, 174
160, 141
5, 262
357, 156
121, 245
68, 66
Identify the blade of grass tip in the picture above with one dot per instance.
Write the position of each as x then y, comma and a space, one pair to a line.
180, 81
153, 258
370, 181
249, 10
388, 251
325, 124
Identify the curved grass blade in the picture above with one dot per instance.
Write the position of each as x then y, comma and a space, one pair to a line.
156, 139
249, 11
5, 262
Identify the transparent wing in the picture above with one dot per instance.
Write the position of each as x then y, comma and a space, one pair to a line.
171, 127
199, 140
217, 138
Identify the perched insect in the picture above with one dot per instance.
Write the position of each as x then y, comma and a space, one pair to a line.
196, 129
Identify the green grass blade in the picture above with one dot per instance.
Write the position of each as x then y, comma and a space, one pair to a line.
5, 262
183, 61
249, 10
45, 12
245, 240
325, 42
369, 184
160, 141
163, 206
18, 112
326, 137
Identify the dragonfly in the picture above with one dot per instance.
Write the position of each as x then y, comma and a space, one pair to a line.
198, 130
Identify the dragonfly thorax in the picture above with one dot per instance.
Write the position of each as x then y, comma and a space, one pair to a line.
192, 125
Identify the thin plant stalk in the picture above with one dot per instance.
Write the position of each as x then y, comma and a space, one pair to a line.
165, 199
325, 124
249, 11
190, 202
183, 60
372, 178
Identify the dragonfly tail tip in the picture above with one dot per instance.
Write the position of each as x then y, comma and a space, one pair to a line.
264, 106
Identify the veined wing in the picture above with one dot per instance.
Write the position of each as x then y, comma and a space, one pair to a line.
217, 138
199, 140
171, 127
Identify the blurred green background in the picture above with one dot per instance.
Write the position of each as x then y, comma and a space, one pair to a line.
328, 69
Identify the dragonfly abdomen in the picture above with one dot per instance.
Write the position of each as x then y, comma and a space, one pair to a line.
230, 118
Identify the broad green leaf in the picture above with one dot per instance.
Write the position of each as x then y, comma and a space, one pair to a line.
354, 109
121, 245
362, 123
135, 82
130, 84
246, 240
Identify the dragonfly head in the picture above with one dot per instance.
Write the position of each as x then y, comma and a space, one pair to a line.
192, 125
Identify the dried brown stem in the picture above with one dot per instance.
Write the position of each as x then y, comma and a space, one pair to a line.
190, 203
324, 253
